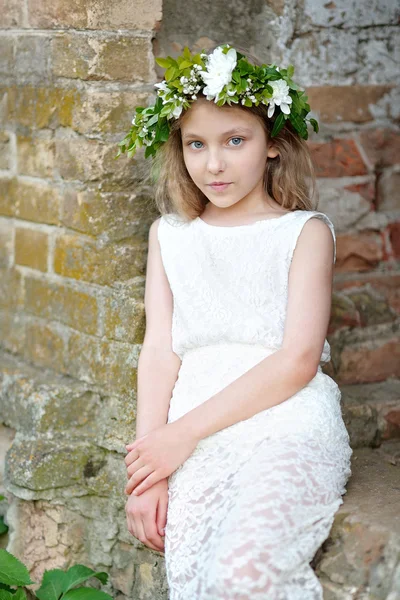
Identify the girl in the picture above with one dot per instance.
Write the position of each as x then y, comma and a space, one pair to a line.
241, 450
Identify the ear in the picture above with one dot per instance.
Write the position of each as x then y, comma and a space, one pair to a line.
272, 151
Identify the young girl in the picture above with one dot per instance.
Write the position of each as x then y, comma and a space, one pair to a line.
241, 451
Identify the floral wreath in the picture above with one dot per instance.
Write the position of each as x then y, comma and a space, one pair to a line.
224, 76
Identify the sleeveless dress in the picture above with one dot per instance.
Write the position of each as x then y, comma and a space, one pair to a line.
253, 503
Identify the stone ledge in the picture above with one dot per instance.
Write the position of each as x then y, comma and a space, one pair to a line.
361, 557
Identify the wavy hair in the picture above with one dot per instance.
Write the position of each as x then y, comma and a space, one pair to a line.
289, 178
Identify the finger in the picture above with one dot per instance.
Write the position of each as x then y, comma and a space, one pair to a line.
131, 523
136, 478
147, 483
162, 511
135, 466
131, 456
151, 533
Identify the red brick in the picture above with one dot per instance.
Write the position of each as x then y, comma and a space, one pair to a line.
338, 158
382, 146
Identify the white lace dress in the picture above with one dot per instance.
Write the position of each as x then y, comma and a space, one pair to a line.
253, 503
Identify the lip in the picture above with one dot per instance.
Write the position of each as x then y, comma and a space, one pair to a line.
219, 186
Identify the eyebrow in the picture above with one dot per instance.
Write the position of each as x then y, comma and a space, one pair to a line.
234, 130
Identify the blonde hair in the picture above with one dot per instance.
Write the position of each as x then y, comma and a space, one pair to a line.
286, 177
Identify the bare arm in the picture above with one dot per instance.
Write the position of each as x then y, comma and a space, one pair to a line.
158, 365
282, 374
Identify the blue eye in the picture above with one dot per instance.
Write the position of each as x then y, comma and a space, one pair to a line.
236, 138
195, 142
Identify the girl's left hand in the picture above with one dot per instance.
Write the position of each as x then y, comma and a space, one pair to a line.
156, 455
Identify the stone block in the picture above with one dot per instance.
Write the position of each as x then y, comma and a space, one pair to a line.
95, 14
106, 57
32, 57
5, 150
388, 190
52, 301
113, 216
338, 158
11, 14
382, 146
36, 155
387, 286
31, 248
6, 55
104, 112
109, 364
12, 331
11, 289
45, 345
361, 251
370, 360
348, 103
86, 260
124, 318
91, 160
6, 244
35, 201
7, 199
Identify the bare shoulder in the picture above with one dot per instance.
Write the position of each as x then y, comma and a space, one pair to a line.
316, 238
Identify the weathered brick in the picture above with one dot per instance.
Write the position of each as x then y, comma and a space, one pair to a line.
382, 146
359, 252
31, 248
116, 57
369, 361
35, 201
6, 243
11, 13
116, 215
45, 345
95, 14
110, 364
32, 56
82, 259
36, 155
388, 190
11, 289
91, 160
106, 112
5, 150
56, 302
7, 206
351, 103
124, 319
12, 331
338, 158
6, 55
386, 284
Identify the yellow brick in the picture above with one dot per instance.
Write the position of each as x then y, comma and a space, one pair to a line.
31, 248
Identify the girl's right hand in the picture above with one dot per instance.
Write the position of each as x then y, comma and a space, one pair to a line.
146, 515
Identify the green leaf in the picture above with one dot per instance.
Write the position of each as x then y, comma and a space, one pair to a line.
314, 124
12, 570
298, 124
163, 62
184, 64
4, 595
171, 73
3, 526
278, 124
86, 593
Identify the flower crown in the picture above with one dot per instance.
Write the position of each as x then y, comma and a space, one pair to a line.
224, 76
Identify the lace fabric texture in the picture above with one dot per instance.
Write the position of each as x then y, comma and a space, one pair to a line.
253, 503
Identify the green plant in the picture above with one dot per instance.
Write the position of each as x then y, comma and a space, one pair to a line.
56, 584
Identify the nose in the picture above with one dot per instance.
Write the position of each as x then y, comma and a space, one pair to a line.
215, 161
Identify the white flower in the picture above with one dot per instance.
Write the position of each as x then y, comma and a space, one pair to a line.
177, 111
162, 86
219, 72
280, 97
